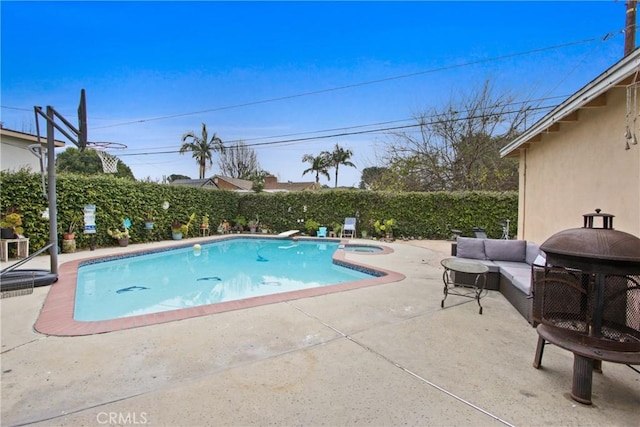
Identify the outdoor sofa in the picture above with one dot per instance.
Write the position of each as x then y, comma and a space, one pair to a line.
509, 263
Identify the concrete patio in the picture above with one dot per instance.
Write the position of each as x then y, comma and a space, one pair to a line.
384, 355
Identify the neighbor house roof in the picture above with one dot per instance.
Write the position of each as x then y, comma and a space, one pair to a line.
215, 182
295, 186
208, 182
27, 137
592, 95
228, 183
236, 184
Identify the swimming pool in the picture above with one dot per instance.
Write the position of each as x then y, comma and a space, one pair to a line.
58, 311
212, 273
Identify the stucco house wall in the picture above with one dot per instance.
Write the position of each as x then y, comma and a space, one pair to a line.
582, 167
14, 157
575, 160
14, 151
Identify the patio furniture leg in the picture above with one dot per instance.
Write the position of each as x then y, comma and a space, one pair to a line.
537, 361
445, 278
582, 379
479, 290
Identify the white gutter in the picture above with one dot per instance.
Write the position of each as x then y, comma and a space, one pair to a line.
618, 72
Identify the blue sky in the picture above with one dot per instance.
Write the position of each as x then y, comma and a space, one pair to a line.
275, 71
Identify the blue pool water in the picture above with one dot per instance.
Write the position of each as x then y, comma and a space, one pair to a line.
221, 271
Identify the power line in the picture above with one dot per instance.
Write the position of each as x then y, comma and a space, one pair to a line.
343, 134
354, 85
387, 122
387, 129
244, 140
371, 82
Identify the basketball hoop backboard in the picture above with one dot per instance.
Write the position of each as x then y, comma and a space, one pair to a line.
82, 121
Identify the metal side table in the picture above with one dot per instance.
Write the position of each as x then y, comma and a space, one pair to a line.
475, 291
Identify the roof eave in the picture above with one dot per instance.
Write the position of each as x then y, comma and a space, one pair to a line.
34, 138
600, 85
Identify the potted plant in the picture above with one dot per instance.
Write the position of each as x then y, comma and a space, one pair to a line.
70, 234
204, 224
240, 223
336, 228
180, 229
311, 226
148, 221
385, 228
11, 226
121, 236
224, 227
253, 225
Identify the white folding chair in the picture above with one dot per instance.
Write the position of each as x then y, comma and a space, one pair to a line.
348, 228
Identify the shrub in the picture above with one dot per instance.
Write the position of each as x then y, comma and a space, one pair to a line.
420, 215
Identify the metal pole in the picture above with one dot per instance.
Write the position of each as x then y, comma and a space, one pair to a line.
630, 27
53, 205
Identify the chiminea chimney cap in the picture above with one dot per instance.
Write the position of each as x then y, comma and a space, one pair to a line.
607, 219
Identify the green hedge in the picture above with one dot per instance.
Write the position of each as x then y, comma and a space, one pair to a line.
419, 215
115, 199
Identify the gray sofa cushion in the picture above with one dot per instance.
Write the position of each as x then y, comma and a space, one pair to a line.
522, 281
493, 267
517, 273
505, 250
468, 247
533, 250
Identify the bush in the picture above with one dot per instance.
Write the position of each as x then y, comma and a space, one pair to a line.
419, 215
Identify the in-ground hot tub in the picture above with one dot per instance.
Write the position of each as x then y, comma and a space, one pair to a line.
363, 248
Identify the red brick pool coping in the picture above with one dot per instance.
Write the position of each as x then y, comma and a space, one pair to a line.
56, 316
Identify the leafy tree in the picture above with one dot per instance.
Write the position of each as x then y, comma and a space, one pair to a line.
457, 147
372, 177
258, 179
238, 161
149, 179
87, 162
202, 148
175, 176
339, 156
319, 165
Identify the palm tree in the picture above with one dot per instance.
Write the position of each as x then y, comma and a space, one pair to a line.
319, 164
338, 157
202, 148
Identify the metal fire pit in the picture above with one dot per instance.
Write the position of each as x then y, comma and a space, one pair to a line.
587, 298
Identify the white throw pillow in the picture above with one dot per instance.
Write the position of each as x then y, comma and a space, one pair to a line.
540, 260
